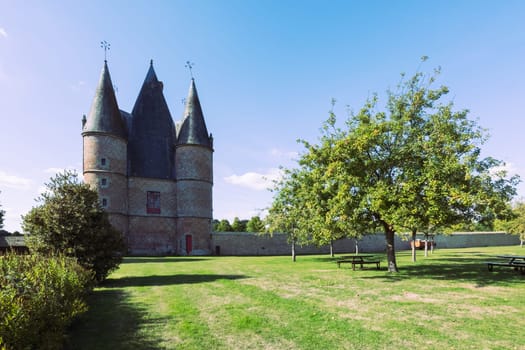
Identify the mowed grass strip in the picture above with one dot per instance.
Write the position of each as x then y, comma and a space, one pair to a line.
447, 300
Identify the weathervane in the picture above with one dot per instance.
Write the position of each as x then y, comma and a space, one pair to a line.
106, 46
190, 65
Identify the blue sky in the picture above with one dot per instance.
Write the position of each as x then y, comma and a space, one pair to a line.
265, 70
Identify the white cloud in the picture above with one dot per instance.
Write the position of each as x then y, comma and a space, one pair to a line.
3, 33
255, 181
13, 181
284, 154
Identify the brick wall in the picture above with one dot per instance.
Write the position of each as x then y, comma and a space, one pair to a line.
149, 235
137, 194
194, 162
113, 149
105, 162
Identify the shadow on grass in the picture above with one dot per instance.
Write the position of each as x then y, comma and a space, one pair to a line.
154, 280
144, 260
112, 322
472, 269
328, 258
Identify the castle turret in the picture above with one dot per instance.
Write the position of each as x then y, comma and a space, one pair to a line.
194, 174
104, 135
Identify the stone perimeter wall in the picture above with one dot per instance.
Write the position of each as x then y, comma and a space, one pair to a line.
240, 243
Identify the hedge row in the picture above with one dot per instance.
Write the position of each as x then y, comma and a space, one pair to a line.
39, 297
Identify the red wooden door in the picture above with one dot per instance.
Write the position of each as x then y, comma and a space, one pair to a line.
188, 244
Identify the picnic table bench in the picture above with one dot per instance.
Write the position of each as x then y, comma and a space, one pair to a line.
358, 260
516, 262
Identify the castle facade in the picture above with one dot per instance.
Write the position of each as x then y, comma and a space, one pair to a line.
154, 177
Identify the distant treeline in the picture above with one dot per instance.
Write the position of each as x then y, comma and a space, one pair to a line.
255, 224
7, 233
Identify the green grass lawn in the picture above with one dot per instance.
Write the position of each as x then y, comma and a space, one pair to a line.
448, 300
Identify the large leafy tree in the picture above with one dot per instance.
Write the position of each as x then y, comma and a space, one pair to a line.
414, 165
70, 220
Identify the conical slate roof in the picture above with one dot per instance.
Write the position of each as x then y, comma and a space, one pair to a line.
104, 116
193, 128
151, 146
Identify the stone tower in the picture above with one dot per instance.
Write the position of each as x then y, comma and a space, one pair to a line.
154, 180
105, 152
194, 173
151, 176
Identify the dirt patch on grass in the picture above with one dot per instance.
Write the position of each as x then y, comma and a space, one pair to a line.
410, 296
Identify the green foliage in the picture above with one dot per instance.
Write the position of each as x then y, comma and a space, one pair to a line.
516, 224
288, 212
239, 225
415, 165
70, 220
223, 226
39, 297
215, 224
255, 224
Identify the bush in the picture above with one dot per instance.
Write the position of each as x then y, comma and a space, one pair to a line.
39, 297
70, 220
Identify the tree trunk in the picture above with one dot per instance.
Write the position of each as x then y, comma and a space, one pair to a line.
356, 247
390, 249
426, 245
293, 250
414, 245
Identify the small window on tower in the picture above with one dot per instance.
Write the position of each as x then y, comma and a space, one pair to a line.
103, 182
103, 161
104, 202
153, 203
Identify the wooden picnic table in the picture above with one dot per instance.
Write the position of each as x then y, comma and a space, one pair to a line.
358, 259
520, 259
517, 262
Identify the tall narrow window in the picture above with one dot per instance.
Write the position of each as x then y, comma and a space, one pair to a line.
104, 202
153, 202
103, 161
103, 182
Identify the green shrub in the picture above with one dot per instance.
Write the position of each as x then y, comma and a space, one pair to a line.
70, 220
39, 297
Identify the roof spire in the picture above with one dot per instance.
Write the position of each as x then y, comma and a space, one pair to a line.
104, 116
152, 135
193, 128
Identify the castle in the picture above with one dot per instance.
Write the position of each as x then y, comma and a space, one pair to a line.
154, 178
